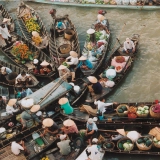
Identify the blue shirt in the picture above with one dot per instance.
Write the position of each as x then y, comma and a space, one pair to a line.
97, 87
92, 126
86, 63
26, 92
8, 70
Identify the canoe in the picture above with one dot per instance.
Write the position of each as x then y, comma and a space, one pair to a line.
17, 70
25, 13
96, 57
60, 46
120, 75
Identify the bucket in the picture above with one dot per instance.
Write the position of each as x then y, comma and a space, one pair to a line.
65, 48
68, 34
76, 89
2, 133
11, 78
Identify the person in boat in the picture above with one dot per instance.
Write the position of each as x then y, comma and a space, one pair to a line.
4, 34
37, 65
2, 102
4, 71
65, 105
52, 12
17, 146
46, 68
30, 114
64, 145
84, 63
26, 92
60, 27
23, 79
11, 106
49, 127
129, 46
8, 23
36, 38
101, 19
64, 72
73, 61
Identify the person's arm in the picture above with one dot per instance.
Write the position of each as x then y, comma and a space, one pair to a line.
108, 104
68, 58
133, 46
79, 65
96, 102
125, 46
20, 147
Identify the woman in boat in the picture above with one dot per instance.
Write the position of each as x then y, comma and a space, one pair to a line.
49, 127
64, 72
7, 22
37, 65
129, 46
60, 27
12, 107
4, 71
46, 68
84, 63
72, 63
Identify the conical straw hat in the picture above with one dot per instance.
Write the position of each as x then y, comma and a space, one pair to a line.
12, 102
100, 17
90, 31
27, 103
44, 63
35, 108
34, 33
68, 123
121, 131
62, 67
82, 58
92, 79
48, 122
63, 101
73, 54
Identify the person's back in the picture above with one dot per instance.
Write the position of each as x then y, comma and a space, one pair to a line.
67, 108
15, 148
64, 147
97, 87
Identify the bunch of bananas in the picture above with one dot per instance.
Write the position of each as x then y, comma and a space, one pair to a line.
32, 25
45, 158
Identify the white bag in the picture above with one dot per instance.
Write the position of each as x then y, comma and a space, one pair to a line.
27, 103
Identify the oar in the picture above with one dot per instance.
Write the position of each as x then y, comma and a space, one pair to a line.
103, 130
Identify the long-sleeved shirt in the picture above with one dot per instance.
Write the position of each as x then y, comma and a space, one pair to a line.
86, 63
73, 61
15, 148
10, 109
95, 152
129, 45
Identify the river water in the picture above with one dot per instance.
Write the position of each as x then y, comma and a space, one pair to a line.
142, 84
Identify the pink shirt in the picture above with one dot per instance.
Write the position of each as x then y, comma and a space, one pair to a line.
71, 129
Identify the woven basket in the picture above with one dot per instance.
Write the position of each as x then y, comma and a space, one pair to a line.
153, 114
144, 148
125, 139
156, 145
122, 114
109, 149
68, 34
65, 48
142, 115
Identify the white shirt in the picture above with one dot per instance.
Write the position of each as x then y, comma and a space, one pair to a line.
95, 153
15, 148
73, 61
102, 105
10, 109
129, 45
22, 78
4, 32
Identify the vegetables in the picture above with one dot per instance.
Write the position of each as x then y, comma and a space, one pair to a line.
125, 145
122, 109
37, 40
144, 142
120, 59
143, 110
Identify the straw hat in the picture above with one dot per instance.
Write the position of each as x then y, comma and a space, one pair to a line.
5, 20
12, 102
100, 17
128, 40
62, 67
44, 63
82, 58
27, 103
92, 79
68, 123
48, 122
35, 34
73, 54
3, 70
95, 140
90, 120
62, 137
35, 61
63, 101
121, 131
90, 31
35, 108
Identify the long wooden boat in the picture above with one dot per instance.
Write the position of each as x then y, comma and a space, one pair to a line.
17, 70
60, 46
27, 19
119, 75
101, 54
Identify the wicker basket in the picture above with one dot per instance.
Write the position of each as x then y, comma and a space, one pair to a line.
68, 34
65, 48
156, 145
125, 139
144, 148
109, 149
142, 115
153, 114
122, 114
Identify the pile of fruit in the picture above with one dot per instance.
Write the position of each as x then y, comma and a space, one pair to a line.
123, 109
144, 142
126, 145
132, 112
143, 110
32, 25
120, 59
108, 145
45, 158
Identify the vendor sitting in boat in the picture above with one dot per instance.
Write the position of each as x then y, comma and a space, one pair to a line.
49, 127
60, 27
37, 65
129, 46
64, 72
101, 19
23, 79
12, 107
46, 68
4, 71
37, 40
7, 22
84, 63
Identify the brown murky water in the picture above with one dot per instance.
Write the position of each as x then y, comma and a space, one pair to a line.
143, 82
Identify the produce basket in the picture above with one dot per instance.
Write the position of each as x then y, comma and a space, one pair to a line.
153, 114
156, 141
108, 146
143, 111
144, 143
68, 34
122, 110
125, 144
65, 48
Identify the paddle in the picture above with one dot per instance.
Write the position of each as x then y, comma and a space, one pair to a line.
103, 130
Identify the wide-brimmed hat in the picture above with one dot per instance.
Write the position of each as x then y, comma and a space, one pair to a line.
59, 24
128, 40
44, 63
90, 31
95, 140
100, 17
27, 103
48, 122
35, 61
73, 54
82, 58
35, 108
121, 131
62, 67
90, 120
12, 102
5, 20
3, 70
35, 34
63, 101
92, 79
63, 136
68, 123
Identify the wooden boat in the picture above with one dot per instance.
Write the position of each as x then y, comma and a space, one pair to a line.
98, 54
60, 46
119, 75
26, 13
17, 70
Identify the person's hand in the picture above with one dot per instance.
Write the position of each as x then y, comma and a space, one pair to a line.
41, 135
115, 103
126, 51
86, 133
133, 50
